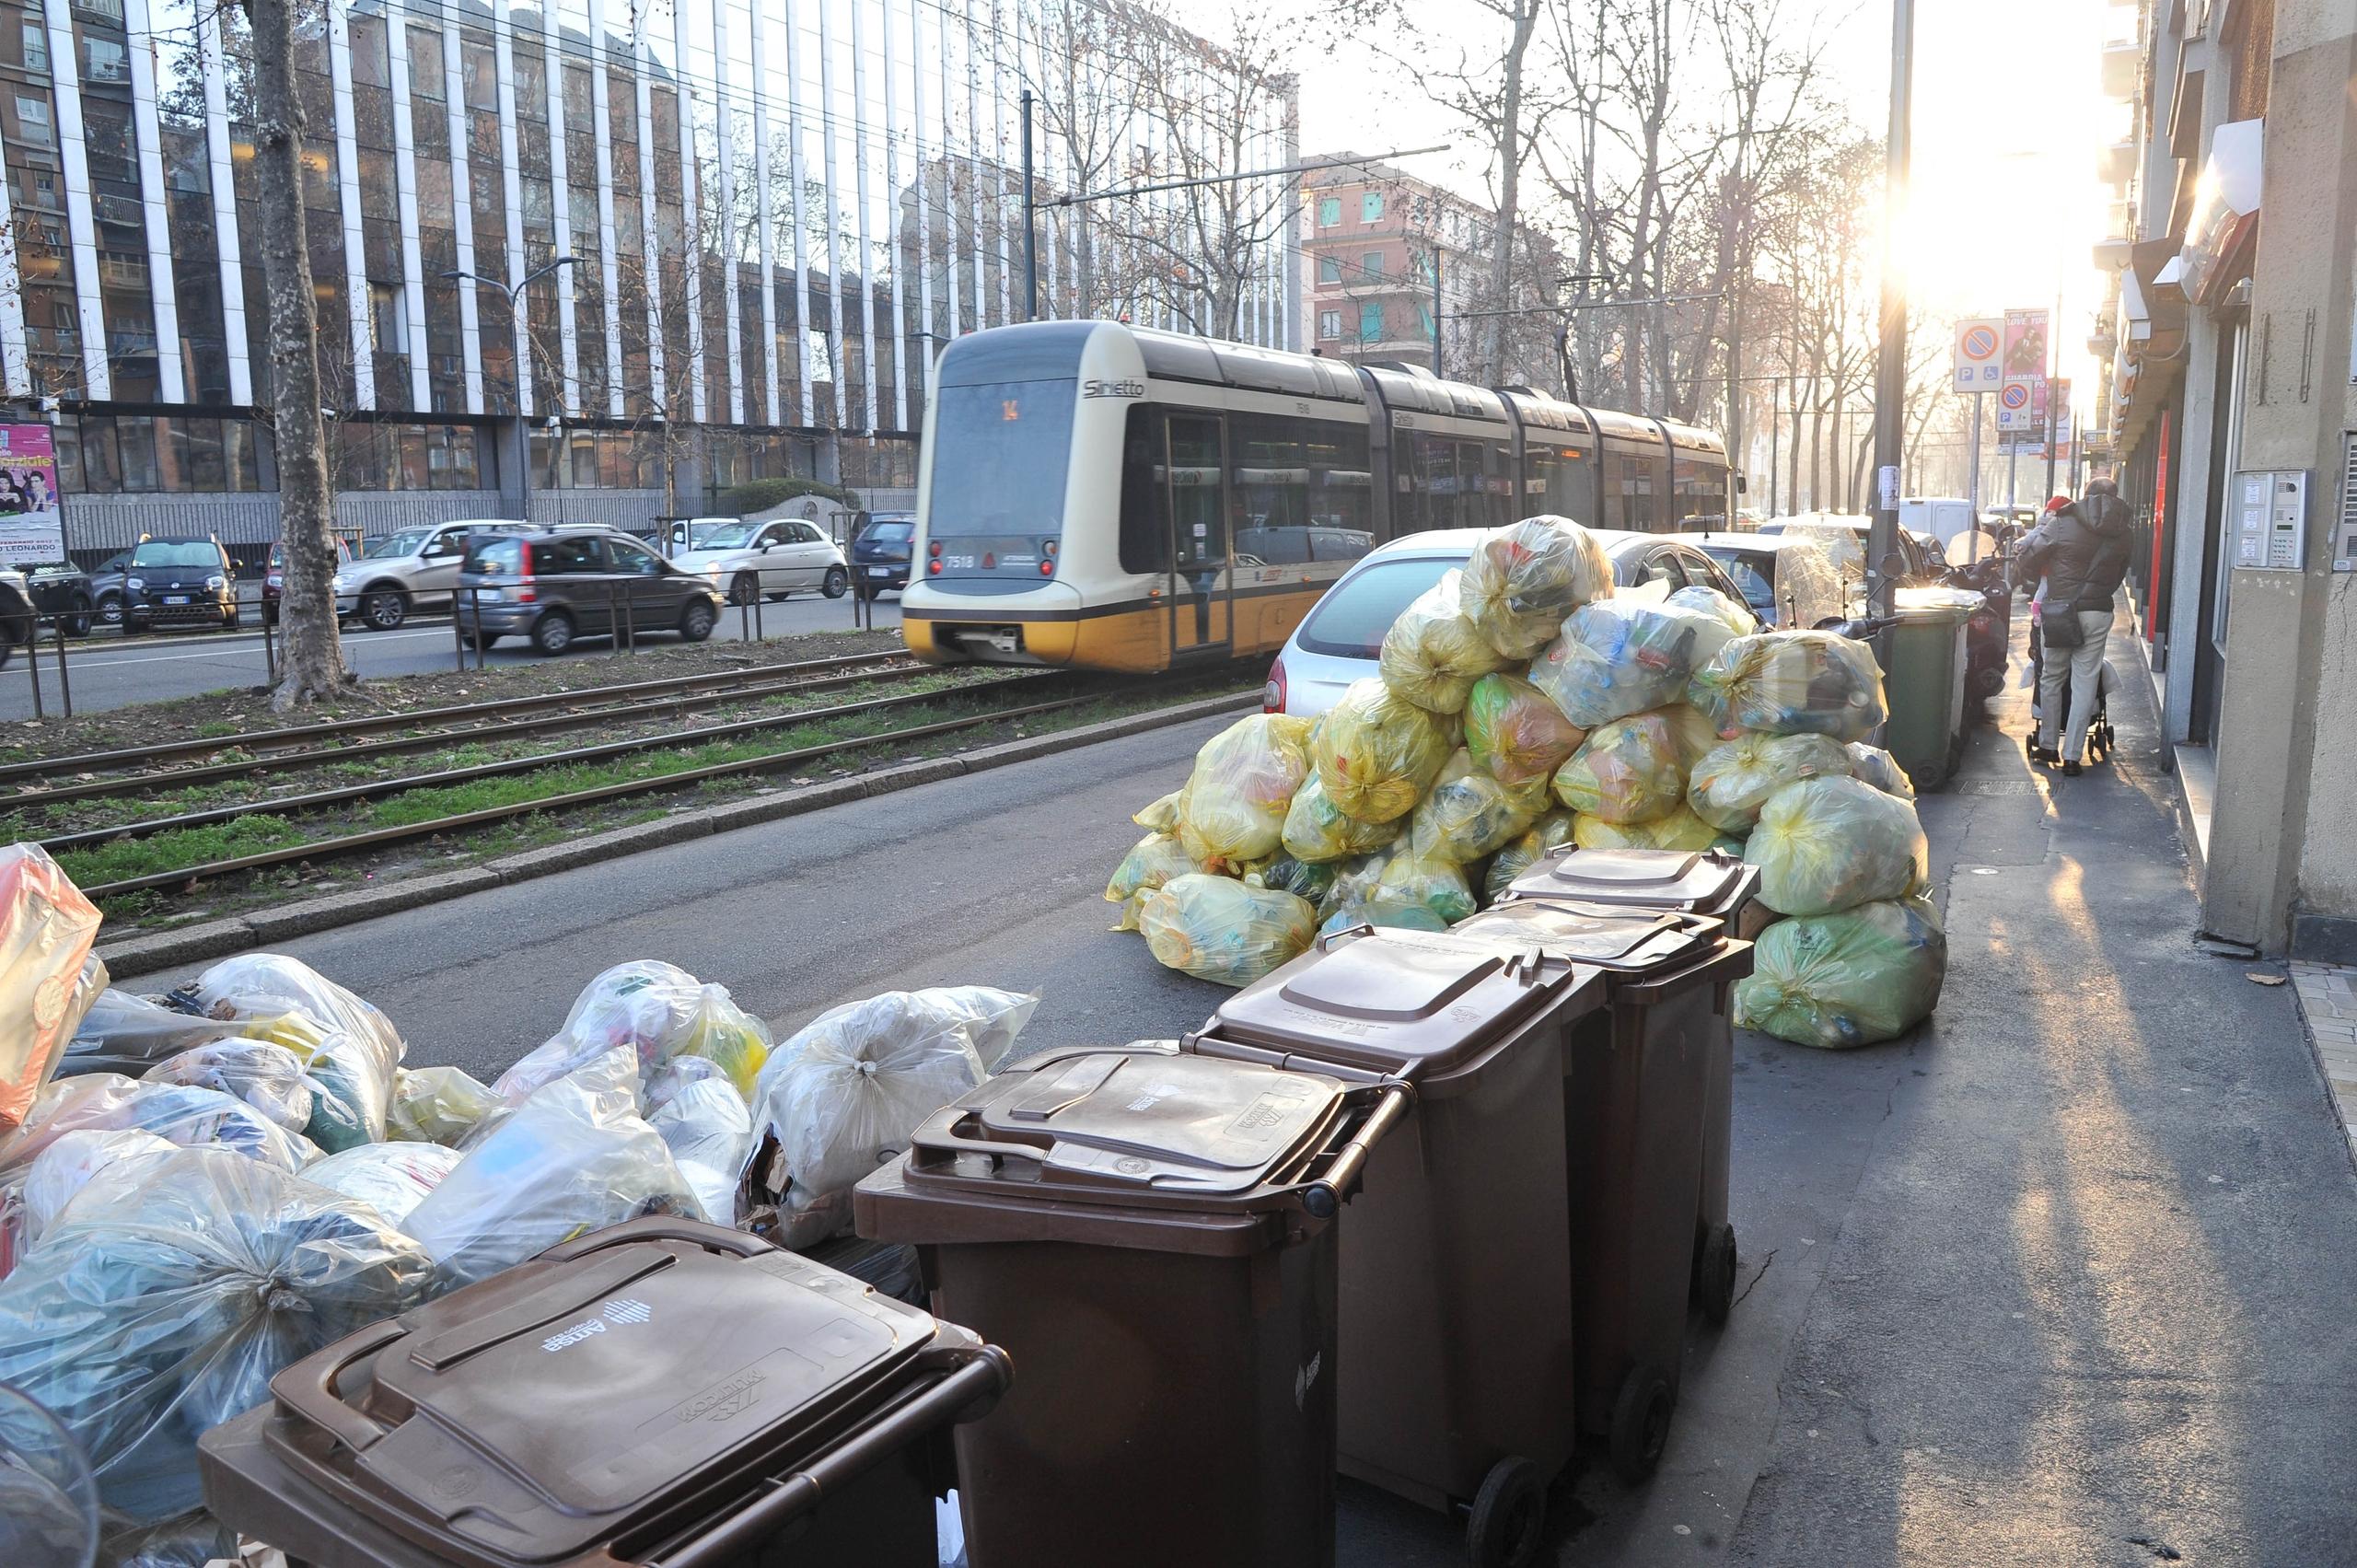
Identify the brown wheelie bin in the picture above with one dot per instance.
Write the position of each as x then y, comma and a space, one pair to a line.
663, 1392
1638, 1084
1456, 1383
1151, 1235
1724, 888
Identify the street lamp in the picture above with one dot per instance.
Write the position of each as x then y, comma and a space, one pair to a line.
512, 294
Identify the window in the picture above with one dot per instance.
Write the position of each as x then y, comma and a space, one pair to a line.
105, 59
1371, 267
1371, 322
1371, 206
389, 323
631, 558
1330, 208
36, 47
1349, 621
576, 552
33, 119
1329, 323
1329, 269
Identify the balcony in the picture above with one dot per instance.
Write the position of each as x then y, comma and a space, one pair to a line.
2123, 52
2116, 165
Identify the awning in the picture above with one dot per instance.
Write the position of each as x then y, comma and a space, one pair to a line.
2225, 208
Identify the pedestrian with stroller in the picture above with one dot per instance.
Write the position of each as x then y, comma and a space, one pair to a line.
2081, 550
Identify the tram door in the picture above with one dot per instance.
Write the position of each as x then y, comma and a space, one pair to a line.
1202, 602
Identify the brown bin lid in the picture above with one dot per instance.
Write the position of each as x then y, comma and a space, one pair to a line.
1616, 937
1656, 879
1127, 1124
573, 1399
1419, 1005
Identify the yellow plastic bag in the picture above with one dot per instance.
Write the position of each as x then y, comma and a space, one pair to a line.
1397, 888
1791, 683
1523, 578
1432, 655
1468, 814
1680, 830
1735, 777
1233, 808
1228, 932
1316, 831
1376, 754
1552, 831
1515, 730
1828, 844
1633, 770
1153, 861
1837, 981
1625, 656
1880, 769
1162, 816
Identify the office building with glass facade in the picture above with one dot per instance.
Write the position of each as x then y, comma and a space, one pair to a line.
778, 212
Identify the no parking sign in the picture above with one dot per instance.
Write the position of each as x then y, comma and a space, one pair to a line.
1978, 367
2018, 409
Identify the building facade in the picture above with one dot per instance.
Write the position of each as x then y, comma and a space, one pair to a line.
775, 211
2232, 420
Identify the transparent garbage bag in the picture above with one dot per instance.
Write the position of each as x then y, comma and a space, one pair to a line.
1399, 888
1553, 831
437, 1105
1377, 754
1880, 769
126, 1033
1162, 816
1468, 813
659, 1011
1735, 777
1152, 861
1852, 978
1303, 878
1624, 655
1318, 830
1523, 579
1233, 808
48, 1505
1515, 730
46, 931
573, 1158
187, 1115
262, 985
708, 1130
169, 1291
721, 1032
1633, 770
846, 1091
1433, 653
1734, 614
391, 1179
265, 1075
661, 1087
1829, 843
1791, 683
1223, 930
66, 1167
191, 1540
1680, 830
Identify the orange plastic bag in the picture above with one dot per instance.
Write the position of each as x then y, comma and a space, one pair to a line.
47, 927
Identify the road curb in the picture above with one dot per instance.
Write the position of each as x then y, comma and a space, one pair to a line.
147, 954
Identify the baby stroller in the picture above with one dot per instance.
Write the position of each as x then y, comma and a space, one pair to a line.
2099, 733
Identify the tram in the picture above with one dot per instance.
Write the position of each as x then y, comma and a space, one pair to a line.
1107, 497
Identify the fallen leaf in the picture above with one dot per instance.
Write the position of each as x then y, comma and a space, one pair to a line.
2261, 977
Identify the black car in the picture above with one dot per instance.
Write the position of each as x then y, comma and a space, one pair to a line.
180, 582
106, 587
879, 555
60, 591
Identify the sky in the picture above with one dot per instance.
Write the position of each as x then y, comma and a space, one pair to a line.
2007, 121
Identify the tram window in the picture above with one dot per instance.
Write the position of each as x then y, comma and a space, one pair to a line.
1561, 484
1001, 452
1699, 493
1199, 530
1628, 500
1300, 488
1496, 499
1145, 532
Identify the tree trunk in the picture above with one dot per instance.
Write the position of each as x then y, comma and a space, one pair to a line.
1493, 337
314, 667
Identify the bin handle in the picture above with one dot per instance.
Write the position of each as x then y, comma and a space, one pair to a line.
658, 1228
1326, 1196
967, 1393
309, 1389
1731, 961
1326, 939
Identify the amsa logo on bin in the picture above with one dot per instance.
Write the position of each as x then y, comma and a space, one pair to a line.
621, 1310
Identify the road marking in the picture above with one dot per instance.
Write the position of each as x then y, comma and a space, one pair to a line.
104, 662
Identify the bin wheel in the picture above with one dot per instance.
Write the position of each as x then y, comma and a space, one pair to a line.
1641, 1423
1509, 1515
1714, 1271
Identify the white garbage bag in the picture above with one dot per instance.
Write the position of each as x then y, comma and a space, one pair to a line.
391, 1179
708, 1130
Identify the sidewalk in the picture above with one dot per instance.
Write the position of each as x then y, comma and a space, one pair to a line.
2091, 1301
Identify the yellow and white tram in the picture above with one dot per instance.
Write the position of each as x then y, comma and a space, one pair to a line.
1103, 496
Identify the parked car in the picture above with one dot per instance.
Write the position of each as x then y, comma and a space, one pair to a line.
1786, 578
106, 587
879, 556
61, 590
185, 581
1338, 641
17, 622
404, 573
1844, 535
751, 560
556, 585
274, 576
689, 533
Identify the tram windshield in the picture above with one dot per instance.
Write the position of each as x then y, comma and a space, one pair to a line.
1000, 452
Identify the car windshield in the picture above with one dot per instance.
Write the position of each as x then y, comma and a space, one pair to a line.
728, 535
1758, 591
891, 532
409, 542
1349, 621
161, 553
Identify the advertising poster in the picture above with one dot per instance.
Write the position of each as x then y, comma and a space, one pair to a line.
2025, 360
31, 531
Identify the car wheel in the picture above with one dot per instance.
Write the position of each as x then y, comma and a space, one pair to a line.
744, 588
109, 609
485, 641
552, 633
838, 582
77, 621
695, 621
384, 608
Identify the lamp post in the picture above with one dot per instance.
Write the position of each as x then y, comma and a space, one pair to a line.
513, 294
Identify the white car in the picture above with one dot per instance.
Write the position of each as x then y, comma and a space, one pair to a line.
415, 569
749, 561
1339, 640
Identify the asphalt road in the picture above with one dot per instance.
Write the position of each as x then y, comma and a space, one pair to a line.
2063, 1278
113, 672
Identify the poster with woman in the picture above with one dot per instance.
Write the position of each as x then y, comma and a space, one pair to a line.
31, 529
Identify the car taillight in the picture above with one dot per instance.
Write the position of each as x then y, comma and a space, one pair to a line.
1273, 695
933, 567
